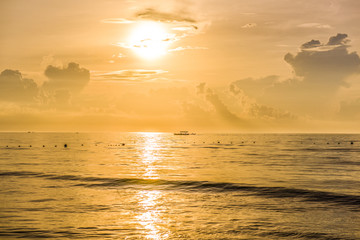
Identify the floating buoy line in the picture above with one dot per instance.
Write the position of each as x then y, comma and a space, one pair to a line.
242, 143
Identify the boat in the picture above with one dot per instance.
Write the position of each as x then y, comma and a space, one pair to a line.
184, 133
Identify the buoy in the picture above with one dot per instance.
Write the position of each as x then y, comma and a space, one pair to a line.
123, 144
352, 142
30, 145
82, 144
55, 145
43, 145
65, 145
19, 146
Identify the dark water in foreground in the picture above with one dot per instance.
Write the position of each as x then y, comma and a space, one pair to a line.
161, 186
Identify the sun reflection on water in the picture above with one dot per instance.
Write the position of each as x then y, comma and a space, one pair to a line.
150, 155
150, 217
150, 202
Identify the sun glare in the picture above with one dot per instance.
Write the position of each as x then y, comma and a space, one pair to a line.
149, 40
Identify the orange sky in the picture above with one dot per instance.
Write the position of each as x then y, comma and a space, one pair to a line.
204, 66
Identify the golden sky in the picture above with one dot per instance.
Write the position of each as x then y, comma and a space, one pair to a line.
166, 65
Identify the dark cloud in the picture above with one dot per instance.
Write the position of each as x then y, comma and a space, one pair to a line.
339, 39
72, 78
152, 14
221, 108
13, 87
311, 44
328, 65
239, 110
320, 69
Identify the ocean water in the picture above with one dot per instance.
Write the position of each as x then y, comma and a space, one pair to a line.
161, 186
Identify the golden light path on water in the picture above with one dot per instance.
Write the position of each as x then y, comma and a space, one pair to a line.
149, 155
149, 201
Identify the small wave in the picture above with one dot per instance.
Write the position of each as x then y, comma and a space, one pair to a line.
34, 233
328, 149
300, 235
283, 233
273, 192
42, 200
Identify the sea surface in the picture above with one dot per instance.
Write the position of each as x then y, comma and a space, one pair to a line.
162, 186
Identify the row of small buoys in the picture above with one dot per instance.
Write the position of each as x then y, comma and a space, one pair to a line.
65, 145
218, 142
116, 145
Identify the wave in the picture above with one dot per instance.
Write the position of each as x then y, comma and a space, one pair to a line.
272, 192
35, 233
114, 232
321, 149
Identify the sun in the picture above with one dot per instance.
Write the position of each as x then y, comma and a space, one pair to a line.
149, 40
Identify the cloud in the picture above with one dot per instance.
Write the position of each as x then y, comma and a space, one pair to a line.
249, 25
155, 15
72, 78
61, 99
339, 39
201, 88
328, 64
236, 110
221, 108
186, 48
314, 25
185, 28
130, 75
350, 110
320, 71
249, 105
151, 14
311, 44
180, 25
254, 87
117, 20
260, 111
13, 87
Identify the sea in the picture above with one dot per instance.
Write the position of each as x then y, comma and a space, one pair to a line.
166, 186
